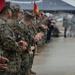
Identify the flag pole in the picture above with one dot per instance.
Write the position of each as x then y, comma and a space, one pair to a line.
34, 13
36, 49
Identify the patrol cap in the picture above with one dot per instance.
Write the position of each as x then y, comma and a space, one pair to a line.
2, 4
29, 15
15, 8
7, 4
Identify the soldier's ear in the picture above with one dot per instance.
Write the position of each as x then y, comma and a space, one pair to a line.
7, 11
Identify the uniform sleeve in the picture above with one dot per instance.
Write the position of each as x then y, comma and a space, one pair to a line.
8, 42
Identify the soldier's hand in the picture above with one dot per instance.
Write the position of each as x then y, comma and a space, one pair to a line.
32, 48
40, 34
31, 53
23, 43
36, 39
3, 67
44, 27
3, 60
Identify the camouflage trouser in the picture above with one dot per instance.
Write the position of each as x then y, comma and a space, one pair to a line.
2, 73
6, 73
13, 73
25, 71
25, 64
32, 59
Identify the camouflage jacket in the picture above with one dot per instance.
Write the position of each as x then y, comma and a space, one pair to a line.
8, 37
16, 28
26, 33
9, 46
33, 32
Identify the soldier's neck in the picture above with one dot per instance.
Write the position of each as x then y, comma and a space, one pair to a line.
15, 18
5, 17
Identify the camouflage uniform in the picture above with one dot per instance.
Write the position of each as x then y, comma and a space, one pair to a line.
33, 31
1, 51
29, 38
10, 48
21, 33
44, 31
14, 25
25, 65
40, 29
18, 28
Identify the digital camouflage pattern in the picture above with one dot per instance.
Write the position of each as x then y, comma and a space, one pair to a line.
25, 56
10, 47
15, 8
41, 22
14, 25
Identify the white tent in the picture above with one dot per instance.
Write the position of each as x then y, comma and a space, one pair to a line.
46, 5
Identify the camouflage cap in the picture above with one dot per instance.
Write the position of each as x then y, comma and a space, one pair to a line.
7, 4
15, 8
29, 14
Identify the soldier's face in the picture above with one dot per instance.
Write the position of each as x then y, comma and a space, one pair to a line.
9, 13
21, 15
31, 20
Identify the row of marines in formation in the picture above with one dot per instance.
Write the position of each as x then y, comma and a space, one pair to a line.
19, 35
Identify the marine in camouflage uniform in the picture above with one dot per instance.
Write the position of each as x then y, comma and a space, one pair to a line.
33, 31
27, 60
14, 24
25, 65
21, 32
8, 45
24, 25
42, 27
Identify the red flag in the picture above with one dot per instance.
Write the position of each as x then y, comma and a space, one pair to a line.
2, 4
36, 9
